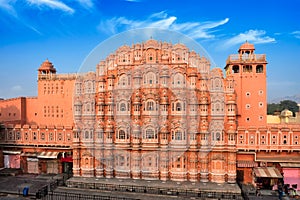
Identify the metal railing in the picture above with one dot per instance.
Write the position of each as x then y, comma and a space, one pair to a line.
157, 190
75, 196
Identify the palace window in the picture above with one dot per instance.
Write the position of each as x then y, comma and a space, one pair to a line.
178, 135
192, 136
235, 69
150, 78
59, 136
26, 135
247, 68
34, 136
68, 136
284, 142
231, 137
86, 135
150, 134
150, 105
259, 69
109, 135
203, 137
51, 136
18, 135
42, 136
100, 134
178, 80
178, 106
218, 136
10, 135
122, 107
122, 135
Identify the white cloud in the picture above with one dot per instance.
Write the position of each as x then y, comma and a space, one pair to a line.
161, 14
54, 4
253, 36
161, 20
7, 6
16, 88
296, 34
86, 3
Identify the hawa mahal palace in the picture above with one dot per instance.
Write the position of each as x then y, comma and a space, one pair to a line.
152, 111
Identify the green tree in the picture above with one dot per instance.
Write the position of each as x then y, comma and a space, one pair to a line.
272, 108
290, 105
285, 104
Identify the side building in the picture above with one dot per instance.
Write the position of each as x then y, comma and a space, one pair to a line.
36, 132
267, 152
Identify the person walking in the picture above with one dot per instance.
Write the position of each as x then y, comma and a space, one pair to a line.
280, 190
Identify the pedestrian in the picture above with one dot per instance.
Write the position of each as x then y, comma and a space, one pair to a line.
280, 190
258, 192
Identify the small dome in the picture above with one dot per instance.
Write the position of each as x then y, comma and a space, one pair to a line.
47, 66
286, 113
247, 46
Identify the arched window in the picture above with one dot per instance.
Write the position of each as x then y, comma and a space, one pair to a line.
150, 78
178, 106
122, 135
178, 135
218, 136
178, 80
150, 105
122, 107
86, 135
150, 134
235, 69
88, 107
123, 80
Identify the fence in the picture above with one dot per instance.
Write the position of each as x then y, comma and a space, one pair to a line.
75, 196
47, 192
43, 191
157, 190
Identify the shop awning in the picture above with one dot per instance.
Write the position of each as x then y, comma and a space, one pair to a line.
267, 172
11, 152
290, 165
29, 154
51, 155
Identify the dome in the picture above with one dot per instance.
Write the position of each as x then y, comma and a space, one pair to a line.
151, 44
247, 46
286, 113
47, 66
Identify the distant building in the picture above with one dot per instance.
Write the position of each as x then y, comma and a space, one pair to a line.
266, 152
153, 111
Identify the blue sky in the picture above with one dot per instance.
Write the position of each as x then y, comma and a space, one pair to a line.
66, 31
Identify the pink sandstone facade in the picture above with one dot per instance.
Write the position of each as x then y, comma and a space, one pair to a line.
153, 111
